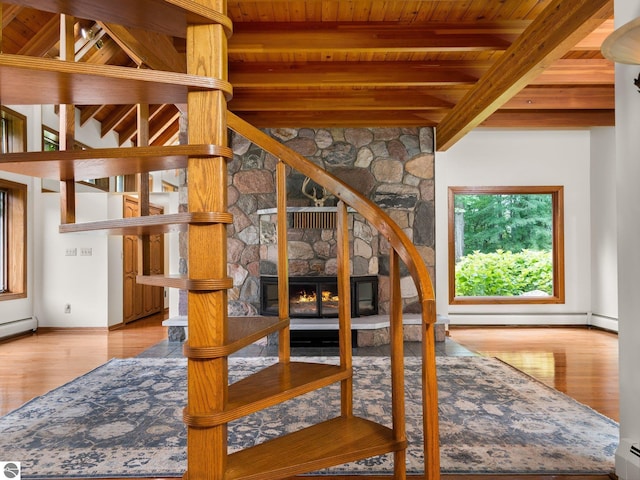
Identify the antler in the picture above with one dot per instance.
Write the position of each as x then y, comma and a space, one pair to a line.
317, 200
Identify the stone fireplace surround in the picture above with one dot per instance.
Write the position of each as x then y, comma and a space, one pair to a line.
394, 167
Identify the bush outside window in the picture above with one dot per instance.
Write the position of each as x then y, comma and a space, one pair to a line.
506, 245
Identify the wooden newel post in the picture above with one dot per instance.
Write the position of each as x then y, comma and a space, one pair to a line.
207, 310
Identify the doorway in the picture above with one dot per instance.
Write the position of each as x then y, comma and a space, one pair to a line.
140, 301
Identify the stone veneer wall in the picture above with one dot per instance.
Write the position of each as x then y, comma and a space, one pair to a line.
393, 167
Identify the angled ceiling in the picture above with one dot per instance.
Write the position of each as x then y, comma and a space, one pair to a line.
452, 64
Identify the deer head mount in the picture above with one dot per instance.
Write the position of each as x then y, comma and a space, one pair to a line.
318, 197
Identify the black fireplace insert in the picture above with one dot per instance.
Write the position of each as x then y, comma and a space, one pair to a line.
317, 296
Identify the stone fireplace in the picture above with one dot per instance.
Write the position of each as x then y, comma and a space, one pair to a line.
391, 166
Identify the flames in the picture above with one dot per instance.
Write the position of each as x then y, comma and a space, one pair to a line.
327, 296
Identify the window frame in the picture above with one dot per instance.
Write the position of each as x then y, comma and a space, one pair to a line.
16, 237
15, 214
557, 202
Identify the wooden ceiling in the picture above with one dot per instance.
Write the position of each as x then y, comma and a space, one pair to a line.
452, 64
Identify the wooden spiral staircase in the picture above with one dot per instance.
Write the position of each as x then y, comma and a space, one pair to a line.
212, 403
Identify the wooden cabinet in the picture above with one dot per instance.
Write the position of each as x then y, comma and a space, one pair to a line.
212, 402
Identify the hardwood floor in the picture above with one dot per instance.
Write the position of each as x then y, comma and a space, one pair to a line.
34, 364
580, 362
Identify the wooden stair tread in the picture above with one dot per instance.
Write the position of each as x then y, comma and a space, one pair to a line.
270, 386
280, 382
104, 162
164, 16
147, 225
34, 80
184, 282
241, 332
329, 443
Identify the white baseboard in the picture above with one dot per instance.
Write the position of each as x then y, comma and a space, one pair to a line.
518, 319
606, 323
16, 327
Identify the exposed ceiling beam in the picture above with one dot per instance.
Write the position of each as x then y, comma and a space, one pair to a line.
341, 99
88, 112
551, 119
9, 12
346, 119
164, 125
559, 27
351, 74
404, 73
169, 135
416, 98
129, 126
115, 118
152, 49
404, 118
305, 37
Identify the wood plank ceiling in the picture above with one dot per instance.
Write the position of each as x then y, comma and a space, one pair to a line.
452, 64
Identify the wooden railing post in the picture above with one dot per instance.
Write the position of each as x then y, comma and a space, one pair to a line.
430, 394
397, 362
66, 137
284, 335
344, 295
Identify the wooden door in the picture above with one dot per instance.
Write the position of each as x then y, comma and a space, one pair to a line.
141, 300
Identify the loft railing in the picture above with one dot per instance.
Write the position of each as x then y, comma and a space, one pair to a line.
401, 249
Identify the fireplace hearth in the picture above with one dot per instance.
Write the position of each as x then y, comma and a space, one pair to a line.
317, 296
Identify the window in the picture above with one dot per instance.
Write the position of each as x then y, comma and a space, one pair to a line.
506, 245
13, 129
13, 212
13, 239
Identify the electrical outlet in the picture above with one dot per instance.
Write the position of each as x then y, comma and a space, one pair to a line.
86, 252
67, 308
71, 252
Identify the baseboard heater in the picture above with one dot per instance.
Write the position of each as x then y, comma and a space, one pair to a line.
17, 327
628, 460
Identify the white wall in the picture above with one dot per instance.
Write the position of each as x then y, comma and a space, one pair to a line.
604, 247
628, 181
78, 280
91, 284
518, 158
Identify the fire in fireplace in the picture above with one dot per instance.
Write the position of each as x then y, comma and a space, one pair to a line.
317, 296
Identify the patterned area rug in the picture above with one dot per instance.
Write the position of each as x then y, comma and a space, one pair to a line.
124, 419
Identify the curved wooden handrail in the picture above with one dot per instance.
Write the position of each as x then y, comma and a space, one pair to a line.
370, 211
403, 249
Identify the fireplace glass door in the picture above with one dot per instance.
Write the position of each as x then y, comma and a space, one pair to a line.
303, 300
318, 296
